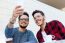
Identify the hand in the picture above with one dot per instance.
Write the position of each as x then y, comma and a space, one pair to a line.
17, 11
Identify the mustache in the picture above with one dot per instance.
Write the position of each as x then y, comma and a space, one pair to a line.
23, 22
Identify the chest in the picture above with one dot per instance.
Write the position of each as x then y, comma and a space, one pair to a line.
20, 37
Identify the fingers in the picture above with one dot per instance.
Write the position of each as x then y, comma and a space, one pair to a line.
17, 7
18, 11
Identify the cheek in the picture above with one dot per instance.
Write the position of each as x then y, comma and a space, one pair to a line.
20, 21
27, 22
41, 21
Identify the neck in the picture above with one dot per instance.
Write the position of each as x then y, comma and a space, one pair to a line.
43, 26
22, 29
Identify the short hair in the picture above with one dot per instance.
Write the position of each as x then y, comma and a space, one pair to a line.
37, 11
25, 13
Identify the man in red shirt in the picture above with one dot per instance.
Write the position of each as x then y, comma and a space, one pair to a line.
53, 28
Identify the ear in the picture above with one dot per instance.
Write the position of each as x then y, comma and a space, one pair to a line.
44, 17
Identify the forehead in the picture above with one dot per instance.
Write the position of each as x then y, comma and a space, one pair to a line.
37, 14
24, 16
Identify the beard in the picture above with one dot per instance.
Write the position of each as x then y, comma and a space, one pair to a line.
22, 26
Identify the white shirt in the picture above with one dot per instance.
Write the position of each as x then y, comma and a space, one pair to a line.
47, 38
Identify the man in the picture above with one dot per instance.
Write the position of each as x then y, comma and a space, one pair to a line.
19, 34
53, 29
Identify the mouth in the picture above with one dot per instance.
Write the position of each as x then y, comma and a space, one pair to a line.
23, 23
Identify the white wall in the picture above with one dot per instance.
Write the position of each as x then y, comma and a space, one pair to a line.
7, 6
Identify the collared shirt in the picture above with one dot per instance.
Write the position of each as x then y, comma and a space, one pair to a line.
52, 28
20, 37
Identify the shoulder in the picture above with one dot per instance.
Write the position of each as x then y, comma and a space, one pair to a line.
29, 31
54, 22
15, 29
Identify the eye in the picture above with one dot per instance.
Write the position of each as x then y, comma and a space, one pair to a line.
26, 19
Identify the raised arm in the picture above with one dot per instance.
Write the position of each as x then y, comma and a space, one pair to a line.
9, 31
16, 12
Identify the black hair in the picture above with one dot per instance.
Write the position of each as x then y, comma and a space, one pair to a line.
37, 11
25, 13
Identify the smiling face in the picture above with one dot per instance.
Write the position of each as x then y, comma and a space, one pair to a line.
39, 19
23, 21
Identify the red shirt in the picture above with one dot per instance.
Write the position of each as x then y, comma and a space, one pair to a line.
54, 28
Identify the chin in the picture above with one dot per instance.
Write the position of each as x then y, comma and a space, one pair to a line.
23, 26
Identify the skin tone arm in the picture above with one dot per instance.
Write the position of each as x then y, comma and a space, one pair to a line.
16, 12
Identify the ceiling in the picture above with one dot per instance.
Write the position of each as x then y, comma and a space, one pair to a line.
59, 4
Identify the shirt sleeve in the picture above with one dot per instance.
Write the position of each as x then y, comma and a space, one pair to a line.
61, 29
9, 32
32, 38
